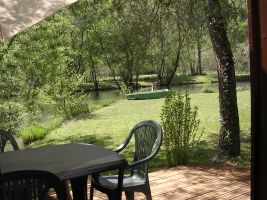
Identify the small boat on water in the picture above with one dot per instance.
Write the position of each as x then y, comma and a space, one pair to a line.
153, 94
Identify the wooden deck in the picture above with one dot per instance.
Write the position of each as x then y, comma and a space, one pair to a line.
186, 183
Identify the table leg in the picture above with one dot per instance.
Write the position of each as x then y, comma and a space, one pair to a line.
120, 182
79, 188
116, 194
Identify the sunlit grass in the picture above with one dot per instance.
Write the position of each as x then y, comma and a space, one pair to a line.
110, 125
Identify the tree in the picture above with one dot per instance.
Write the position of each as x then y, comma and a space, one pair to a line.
229, 140
197, 33
132, 32
170, 37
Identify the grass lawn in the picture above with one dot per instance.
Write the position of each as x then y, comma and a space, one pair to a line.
110, 125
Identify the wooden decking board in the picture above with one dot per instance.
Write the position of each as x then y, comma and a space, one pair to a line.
222, 192
244, 196
186, 183
193, 179
190, 181
172, 182
186, 175
190, 192
200, 188
232, 194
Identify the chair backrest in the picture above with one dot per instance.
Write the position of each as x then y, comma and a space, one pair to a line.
31, 185
148, 139
5, 139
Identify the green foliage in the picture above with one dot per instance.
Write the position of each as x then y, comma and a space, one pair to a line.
109, 126
207, 84
72, 105
99, 39
179, 122
125, 90
243, 88
10, 116
207, 90
33, 133
54, 123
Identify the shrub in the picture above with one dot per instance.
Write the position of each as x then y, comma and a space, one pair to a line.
33, 133
54, 123
125, 90
72, 105
10, 116
242, 88
207, 90
179, 122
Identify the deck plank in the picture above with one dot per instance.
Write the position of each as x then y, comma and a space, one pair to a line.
186, 183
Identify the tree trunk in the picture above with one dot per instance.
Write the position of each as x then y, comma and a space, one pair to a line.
199, 63
229, 140
137, 82
190, 60
160, 71
108, 62
80, 57
128, 72
176, 65
94, 73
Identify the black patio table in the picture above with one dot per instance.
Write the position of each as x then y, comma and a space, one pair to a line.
69, 162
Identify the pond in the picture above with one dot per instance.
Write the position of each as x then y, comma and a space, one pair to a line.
105, 97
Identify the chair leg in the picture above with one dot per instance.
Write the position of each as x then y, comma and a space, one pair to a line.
67, 188
147, 191
113, 196
129, 195
91, 192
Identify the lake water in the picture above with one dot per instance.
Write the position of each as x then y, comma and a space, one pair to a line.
113, 95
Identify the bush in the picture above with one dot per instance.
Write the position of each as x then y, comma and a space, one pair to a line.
179, 122
33, 133
207, 90
54, 123
242, 88
72, 105
125, 90
10, 116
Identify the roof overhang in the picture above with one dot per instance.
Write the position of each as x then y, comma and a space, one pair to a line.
18, 15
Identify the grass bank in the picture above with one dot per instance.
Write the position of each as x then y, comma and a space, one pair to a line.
109, 126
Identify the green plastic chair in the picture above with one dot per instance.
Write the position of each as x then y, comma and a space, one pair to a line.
5, 138
148, 139
31, 185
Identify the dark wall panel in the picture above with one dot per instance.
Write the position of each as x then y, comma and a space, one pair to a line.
258, 62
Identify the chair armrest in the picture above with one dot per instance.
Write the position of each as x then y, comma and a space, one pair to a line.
134, 164
139, 162
148, 158
124, 144
120, 148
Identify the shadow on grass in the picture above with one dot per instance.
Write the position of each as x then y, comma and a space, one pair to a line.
206, 152
245, 138
245, 158
203, 153
159, 160
86, 116
102, 141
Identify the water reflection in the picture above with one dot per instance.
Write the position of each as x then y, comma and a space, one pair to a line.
113, 95
104, 96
